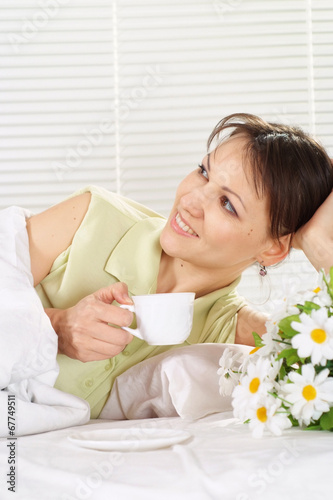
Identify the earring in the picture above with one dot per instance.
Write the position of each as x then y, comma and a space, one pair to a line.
262, 270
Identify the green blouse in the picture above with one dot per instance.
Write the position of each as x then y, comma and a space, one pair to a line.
118, 240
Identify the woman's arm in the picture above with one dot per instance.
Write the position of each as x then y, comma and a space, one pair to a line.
52, 231
83, 330
315, 238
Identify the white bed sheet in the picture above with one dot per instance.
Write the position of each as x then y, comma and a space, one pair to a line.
220, 461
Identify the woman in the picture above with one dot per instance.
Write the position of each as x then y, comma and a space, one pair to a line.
251, 194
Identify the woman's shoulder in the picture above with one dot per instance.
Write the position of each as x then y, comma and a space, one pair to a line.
103, 199
52, 231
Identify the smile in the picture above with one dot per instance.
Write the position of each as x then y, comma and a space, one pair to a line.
184, 227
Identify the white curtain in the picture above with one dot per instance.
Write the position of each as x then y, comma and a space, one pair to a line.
124, 93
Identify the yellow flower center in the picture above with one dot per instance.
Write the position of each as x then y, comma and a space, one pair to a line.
254, 385
262, 414
255, 349
309, 392
316, 290
318, 335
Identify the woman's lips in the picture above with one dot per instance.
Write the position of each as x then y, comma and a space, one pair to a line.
181, 227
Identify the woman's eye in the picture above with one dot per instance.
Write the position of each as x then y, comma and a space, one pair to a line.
227, 205
203, 171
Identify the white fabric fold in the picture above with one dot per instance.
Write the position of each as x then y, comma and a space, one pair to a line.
28, 343
182, 382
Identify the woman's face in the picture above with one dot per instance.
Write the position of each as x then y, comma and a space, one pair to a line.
217, 220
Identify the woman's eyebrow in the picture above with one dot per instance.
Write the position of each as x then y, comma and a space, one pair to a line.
225, 188
208, 162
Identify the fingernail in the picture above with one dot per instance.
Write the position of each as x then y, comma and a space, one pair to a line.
127, 299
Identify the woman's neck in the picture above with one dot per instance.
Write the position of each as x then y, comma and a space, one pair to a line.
176, 275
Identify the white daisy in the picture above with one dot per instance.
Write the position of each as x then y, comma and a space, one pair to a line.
309, 395
316, 336
271, 340
283, 308
229, 371
275, 368
289, 295
318, 295
251, 386
268, 414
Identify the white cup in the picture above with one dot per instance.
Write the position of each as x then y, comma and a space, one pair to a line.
162, 318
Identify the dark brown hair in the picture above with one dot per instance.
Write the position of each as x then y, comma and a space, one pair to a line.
288, 166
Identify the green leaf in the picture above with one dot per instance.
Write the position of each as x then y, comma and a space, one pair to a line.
329, 284
290, 355
313, 427
331, 275
308, 306
257, 340
282, 372
329, 365
293, 421
285, 325
326, 420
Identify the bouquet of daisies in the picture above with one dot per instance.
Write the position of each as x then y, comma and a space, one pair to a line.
287, 379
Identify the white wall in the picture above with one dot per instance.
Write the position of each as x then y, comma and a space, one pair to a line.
124, 93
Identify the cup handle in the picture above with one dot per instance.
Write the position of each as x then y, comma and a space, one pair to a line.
133, 331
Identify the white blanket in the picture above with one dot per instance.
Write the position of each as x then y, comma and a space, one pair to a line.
28, 344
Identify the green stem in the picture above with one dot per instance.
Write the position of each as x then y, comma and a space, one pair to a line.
279, 397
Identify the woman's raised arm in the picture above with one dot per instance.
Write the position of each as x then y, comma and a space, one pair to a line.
315, 238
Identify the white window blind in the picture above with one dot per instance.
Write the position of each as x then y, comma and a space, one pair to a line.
57, 88
124, 93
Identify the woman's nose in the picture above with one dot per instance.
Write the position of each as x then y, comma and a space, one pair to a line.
192, 203
196, 201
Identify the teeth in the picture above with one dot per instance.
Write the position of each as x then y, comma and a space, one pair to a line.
184, 227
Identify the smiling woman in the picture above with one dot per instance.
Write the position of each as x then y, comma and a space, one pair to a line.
252, 191
219, 203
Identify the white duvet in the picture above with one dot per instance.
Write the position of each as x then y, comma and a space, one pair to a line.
28, 344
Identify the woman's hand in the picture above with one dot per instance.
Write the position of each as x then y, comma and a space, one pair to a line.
83, 330
315, 238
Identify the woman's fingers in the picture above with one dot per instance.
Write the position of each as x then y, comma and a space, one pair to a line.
117, 291
93, 310
95, 349
91, 330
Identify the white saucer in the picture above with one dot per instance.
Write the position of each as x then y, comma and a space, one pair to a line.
130, 439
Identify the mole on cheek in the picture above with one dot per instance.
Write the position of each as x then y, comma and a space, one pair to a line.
249, 234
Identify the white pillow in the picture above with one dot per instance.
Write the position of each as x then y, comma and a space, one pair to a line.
181, 382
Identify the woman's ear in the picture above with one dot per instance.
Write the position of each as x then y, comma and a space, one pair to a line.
278, 250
